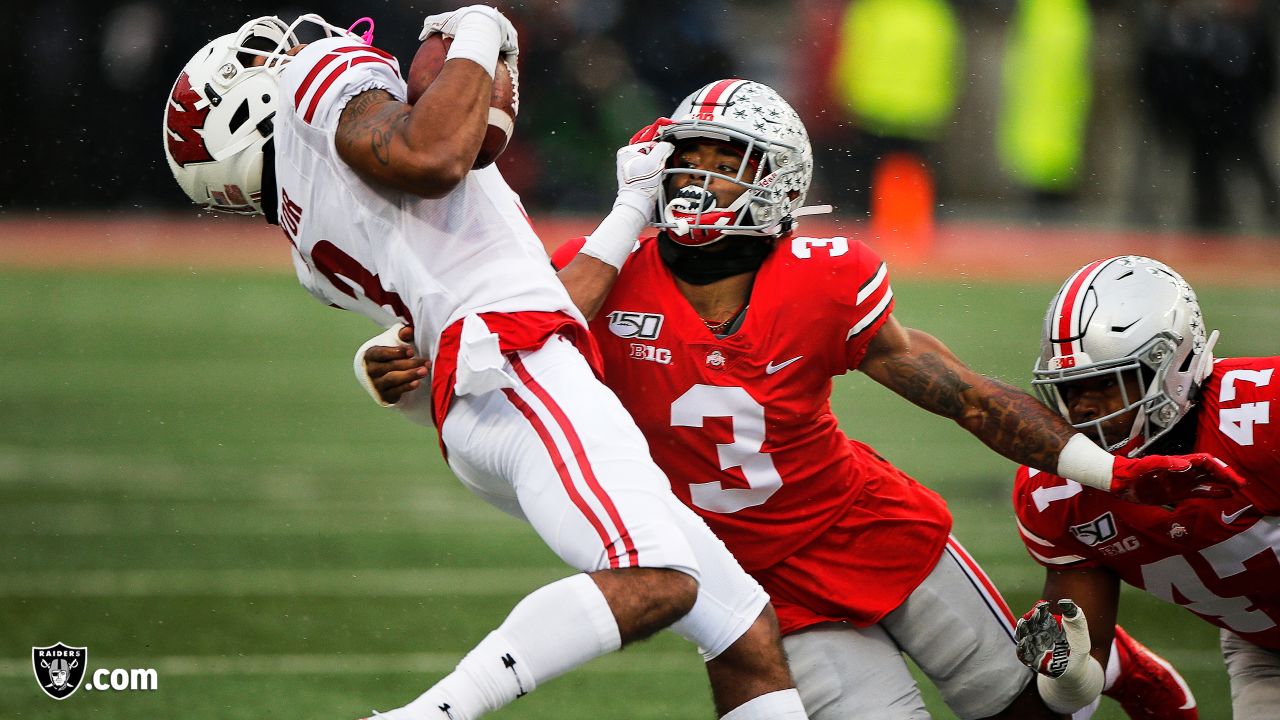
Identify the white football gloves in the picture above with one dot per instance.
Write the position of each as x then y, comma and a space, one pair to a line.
1057, 648
480, 33
640, 167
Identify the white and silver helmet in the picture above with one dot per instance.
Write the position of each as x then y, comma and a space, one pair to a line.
776, 170
219, 113
1128, 316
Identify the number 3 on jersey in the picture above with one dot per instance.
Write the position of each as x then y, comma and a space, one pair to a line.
747, 415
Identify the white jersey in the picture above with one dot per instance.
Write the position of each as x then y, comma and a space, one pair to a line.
389, 255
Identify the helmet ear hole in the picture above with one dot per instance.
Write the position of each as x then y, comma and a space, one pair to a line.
239, 117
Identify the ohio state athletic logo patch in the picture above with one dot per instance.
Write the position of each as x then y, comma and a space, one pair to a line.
59, 669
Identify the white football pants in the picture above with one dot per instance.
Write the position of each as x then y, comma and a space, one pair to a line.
557, 449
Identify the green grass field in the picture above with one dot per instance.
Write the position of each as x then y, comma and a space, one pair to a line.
191, 481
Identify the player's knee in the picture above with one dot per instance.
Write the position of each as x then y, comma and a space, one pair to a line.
646, 600
672, 593
759, 651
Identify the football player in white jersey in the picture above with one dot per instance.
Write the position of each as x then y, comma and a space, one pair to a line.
386, 217
1125, 358
701, 323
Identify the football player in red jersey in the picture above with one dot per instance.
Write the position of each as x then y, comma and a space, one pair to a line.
1125, 358
721, 336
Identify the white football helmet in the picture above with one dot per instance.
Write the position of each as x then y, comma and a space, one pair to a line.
1127, 315
219, 113
755, 118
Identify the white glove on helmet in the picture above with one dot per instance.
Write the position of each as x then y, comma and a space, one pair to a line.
640, 169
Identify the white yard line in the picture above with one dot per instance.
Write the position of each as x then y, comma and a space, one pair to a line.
262, 517
432, 582
426, 663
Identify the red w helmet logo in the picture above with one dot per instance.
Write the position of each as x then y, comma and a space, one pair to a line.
183, 121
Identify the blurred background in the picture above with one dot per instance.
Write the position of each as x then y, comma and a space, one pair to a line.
1151, 113
191, 481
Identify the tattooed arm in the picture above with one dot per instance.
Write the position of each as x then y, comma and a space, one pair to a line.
426, 148
920, 368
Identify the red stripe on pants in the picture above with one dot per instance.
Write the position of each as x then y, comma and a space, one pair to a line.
580, 454
975, 571
563, 470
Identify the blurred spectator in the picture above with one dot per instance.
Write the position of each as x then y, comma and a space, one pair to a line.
91, 80
1208, 72
580, 99
85, 83
1047, 87
812, 52
895, 76
592, 73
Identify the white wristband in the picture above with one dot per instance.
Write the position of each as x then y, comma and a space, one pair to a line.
478, 39
388, 338
1073, 690
615, 238
639, 201
1086, 463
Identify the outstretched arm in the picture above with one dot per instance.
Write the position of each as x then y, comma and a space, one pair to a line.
589, 275
920, 368
588, 281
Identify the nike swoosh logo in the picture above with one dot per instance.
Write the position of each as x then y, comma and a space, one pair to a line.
771, 368
1228, 519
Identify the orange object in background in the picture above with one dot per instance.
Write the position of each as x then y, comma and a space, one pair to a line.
902, 203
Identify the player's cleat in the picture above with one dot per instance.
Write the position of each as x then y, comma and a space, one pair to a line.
1148, 686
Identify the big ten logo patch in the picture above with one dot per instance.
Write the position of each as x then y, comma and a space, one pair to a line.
640, 351
642, 326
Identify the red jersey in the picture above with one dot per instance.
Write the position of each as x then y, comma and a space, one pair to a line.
743, 426
1220, 559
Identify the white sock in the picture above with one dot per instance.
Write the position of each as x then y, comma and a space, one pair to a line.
552, 630
777, 705
1087, 711
1113, 668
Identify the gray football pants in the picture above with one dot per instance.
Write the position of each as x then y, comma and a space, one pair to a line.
1255, 678
950, 626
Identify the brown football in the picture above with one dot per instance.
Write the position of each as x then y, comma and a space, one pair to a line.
427, 64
